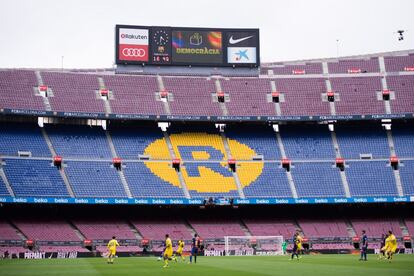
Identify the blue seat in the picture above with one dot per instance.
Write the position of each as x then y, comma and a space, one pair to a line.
272, 182
261, 139
371, 178
317, 179
132, 141
307, 142
143, 183
356, 140
94, 179
79, 141
34, 178
407, 176
22, 137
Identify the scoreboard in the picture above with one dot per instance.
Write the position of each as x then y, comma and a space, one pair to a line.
186, 46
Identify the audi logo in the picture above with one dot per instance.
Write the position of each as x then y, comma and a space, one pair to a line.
132, 52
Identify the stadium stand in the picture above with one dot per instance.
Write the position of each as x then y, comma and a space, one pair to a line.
132, 141
156, 230
248, 97
263, 227
377, 227
289, 69
29, 177
317, 180
316, 228
209, 179
403, 87
192, 96
133, 94
407, 176
362, 65
409, 222
73, 92
272, 181
104, 229
303, 96
152, 179
369, 140
46, 230
362, 182
398, 63
18, 90
261, 139
22, 137
79, 141
94, 179
7, 232
307, 142
3, 188
403, 140
358, 95
209, 229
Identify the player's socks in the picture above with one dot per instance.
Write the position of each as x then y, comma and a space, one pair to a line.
195, 259
191, 258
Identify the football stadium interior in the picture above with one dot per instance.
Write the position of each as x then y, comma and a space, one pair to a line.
305, 145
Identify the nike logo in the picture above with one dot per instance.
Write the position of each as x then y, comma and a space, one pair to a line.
235, 41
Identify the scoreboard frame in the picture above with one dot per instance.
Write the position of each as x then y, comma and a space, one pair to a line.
247, 38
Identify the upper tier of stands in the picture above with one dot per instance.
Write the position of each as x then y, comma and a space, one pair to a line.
358, 84
147, 170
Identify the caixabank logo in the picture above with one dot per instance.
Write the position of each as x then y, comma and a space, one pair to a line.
204, 159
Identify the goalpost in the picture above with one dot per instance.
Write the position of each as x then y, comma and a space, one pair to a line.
253, 245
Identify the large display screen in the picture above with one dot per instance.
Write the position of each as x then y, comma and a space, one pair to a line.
186, 46
195, 47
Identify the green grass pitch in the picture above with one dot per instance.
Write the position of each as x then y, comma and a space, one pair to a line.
255, 265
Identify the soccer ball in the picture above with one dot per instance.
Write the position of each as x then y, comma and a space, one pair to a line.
159, 259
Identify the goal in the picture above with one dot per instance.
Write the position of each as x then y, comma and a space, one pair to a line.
253, 245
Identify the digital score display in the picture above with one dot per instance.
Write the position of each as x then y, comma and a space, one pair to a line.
186, 46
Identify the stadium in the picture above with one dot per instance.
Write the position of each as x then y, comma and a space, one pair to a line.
191, 134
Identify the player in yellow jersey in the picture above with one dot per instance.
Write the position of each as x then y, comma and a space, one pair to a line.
168, 252
299, 241
179, 251
112, 244
391, 245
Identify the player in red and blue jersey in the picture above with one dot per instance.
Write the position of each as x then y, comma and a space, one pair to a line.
195, 245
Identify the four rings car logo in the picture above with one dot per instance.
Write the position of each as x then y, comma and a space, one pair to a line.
132, 52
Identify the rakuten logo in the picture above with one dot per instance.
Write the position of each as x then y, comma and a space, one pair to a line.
133, 36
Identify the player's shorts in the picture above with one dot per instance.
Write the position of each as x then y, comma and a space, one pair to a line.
299, 246
295, 248
392, 249
179, 251
194, 250
168, 252
112, 251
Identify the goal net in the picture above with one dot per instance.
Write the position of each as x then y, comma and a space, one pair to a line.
253, 245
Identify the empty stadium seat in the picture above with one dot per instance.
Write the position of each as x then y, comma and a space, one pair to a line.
363, 182
317, 180
34, 178
94, 179
79, 141
153, 179
22, 137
